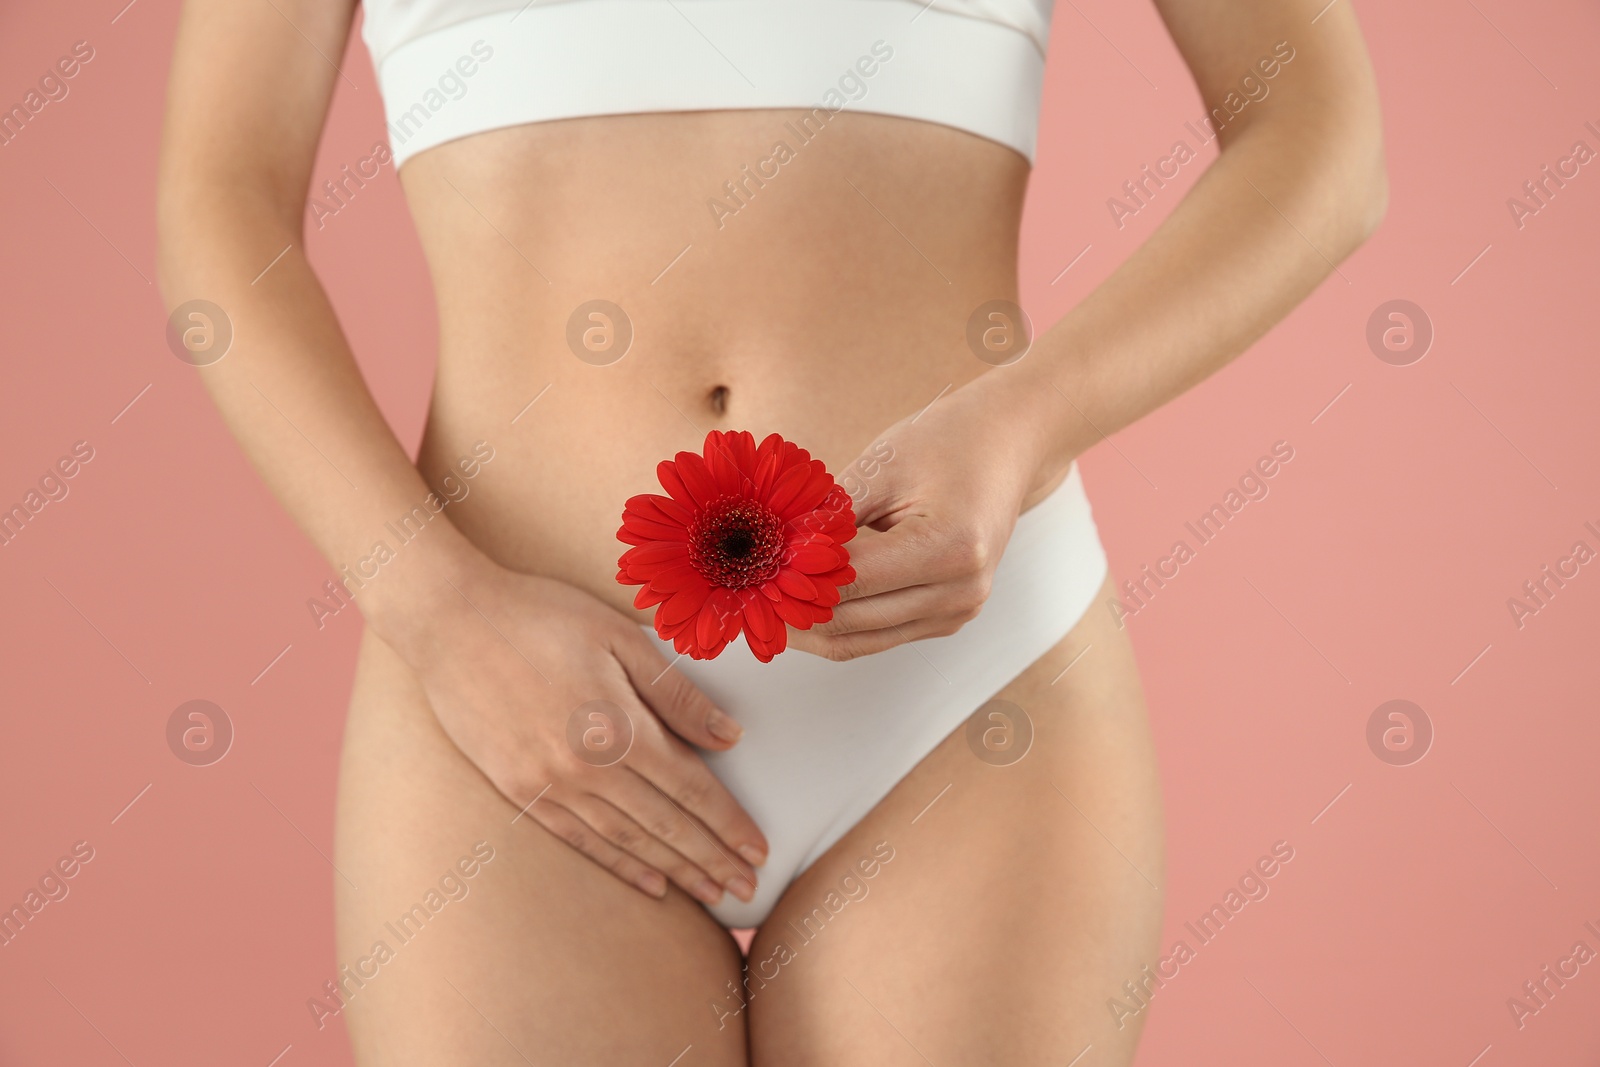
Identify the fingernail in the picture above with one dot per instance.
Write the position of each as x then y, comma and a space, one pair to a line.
722, 726
752, 855
708, 891
742, 887
653, 883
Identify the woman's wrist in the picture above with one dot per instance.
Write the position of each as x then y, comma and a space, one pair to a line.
1021, 405
412, 602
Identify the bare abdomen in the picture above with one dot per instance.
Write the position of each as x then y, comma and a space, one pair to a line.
824, 303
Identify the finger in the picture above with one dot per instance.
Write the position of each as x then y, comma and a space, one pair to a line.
868, 642
884, 495
668, 823
577, 833
628, 835
682, 776
687, 711
898, 558
895, 608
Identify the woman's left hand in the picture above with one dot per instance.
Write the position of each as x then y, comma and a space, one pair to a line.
936, 497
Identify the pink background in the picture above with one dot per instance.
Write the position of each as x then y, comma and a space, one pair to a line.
1379, 567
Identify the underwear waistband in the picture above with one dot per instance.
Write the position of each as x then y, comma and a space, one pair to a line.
610, 57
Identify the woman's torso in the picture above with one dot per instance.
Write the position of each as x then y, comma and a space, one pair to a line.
829, 304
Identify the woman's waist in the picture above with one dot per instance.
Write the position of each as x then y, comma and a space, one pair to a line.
678, 220
537, 456
540, 484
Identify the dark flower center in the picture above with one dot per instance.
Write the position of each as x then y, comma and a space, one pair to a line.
736, 542
739, 544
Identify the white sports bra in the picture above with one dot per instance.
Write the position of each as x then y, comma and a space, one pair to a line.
451, 68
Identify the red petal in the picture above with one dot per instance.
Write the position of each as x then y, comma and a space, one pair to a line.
682, 607
831, 522
816, 527
719, 462
793, 612
673, 511
648, 597
746, 451
761, 623
655, 554
772, 445
843, 576
672, 482
718, 616
792, 454
657, 508
638, 531
796, 584
789, 484
731, 457
811, 496
765, 650
676, 579
701, 484
766, 469
813, 558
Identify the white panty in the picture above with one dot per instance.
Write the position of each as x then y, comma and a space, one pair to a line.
824, 742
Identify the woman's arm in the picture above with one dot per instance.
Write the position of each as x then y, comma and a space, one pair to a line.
248, 94
505, 658
1299, 185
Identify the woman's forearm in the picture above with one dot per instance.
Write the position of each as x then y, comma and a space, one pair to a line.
293, 396
1290, 197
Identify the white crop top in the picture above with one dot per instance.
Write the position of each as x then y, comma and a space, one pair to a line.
451, 68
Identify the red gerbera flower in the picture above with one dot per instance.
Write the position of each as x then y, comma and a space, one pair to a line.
748, 539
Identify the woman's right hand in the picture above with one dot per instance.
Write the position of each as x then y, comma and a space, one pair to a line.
505, 669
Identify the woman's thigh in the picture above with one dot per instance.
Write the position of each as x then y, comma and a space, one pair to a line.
467, 934
986, 910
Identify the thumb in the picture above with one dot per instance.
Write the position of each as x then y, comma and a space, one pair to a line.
880, 498
676, 701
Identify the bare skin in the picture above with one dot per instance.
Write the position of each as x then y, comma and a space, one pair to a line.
1015, 906
830, 309
550, 957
